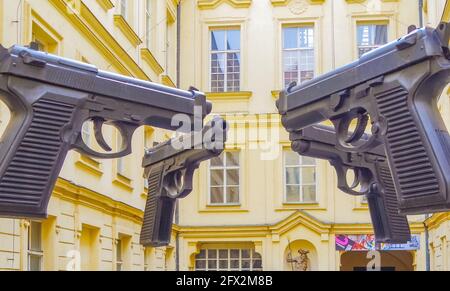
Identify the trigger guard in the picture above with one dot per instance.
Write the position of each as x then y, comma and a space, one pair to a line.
348, 144
341, 172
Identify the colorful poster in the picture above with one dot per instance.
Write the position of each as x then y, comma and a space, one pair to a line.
366, 242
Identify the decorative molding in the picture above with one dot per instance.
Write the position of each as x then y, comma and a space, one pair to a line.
212, 4
150, 59
123, 182
166, 80
286, 2
94, 31
89, 164
106, 4
127, 30
230, 96
83, 196
275, 94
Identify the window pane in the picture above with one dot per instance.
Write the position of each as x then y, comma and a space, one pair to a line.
212, 265
223, 254
257, 264
34, 263
234, 264
234, 254
216, 178
292, 176
245, 265
308, 175
291, 158
212, 254
232, 194
200, 265
290, 37
233, 177
308, 161
306, 39
309, 193
223, 264
36, 236
232, 159
217, 195
217, 161
292, 194
119, 250
233, 40
218, 40
245, 254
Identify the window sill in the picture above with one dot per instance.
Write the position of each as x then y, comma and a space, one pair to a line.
123, 182
229, 96
150, 59
127, 30
302, 206
106, 4
224, 208
89, 164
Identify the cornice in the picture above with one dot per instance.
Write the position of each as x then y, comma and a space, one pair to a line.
211, 4
150, 59
127, 30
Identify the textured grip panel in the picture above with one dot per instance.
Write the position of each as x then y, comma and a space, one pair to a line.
27, 182
159, 210
409, 159
397, 227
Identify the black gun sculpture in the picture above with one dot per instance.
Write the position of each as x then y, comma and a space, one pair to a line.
169, 168
372, 176
50, 98
396, 87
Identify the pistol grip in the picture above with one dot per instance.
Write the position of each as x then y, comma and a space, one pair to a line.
417, 142
159, 211
32, 155
389, 226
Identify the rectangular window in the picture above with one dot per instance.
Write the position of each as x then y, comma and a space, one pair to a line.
298, 54
225, 60
228, 260
224, 179
148, 23
299, 178
370, 37
119, 257
35, 251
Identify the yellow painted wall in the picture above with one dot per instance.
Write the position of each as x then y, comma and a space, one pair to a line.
93, 206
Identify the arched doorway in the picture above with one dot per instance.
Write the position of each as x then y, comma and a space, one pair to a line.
300, 255
390, 261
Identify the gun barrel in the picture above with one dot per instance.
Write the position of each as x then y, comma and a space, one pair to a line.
28, 63
414, 47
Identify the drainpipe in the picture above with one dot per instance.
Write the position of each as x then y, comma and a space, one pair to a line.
177, 207
420, 13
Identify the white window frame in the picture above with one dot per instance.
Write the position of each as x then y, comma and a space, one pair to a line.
283, 50
301, 166
226, 52
33, 253
217, 259
371, 47
224, 168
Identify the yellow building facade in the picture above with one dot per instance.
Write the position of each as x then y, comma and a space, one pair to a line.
259, 204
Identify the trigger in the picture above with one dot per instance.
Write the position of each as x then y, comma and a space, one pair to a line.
363, 120
357, 180
98, 124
